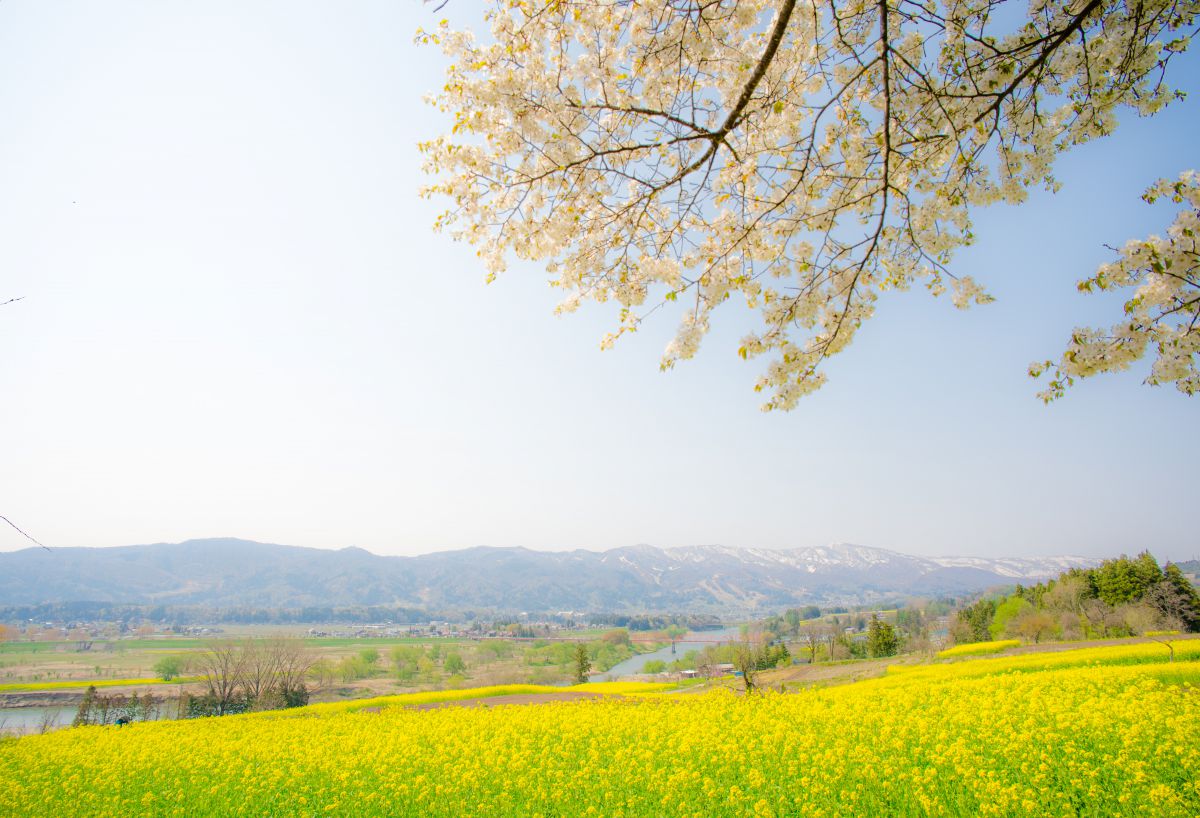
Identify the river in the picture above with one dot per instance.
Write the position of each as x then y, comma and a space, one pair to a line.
26, 720
692, 640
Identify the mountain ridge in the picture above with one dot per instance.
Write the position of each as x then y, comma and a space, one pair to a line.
231, 572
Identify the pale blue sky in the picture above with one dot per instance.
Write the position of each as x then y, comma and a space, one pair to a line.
237, 322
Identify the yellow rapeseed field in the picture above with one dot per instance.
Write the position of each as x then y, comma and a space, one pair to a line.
432, 696
975, 648
1090, 739
1110, 655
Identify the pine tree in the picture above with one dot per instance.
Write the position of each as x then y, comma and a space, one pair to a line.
1189, 610
583, 664
84, 714
881, 638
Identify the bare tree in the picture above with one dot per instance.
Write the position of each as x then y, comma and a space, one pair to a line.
323, 673
832, 630
812, 637
745, 661
259, 670
1167, 636
1100, 617
1034, 624
1067, 594
48, 722
223, 666
293, 661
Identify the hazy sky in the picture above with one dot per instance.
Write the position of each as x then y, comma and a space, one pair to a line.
237, 322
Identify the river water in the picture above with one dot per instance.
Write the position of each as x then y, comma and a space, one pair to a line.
26, 720
692, 640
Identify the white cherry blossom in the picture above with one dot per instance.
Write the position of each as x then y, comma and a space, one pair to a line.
802, 156
1162, 314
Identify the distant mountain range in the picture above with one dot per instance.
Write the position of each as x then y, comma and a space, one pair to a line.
229, 573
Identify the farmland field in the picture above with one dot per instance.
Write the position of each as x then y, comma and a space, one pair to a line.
59, 669
1098, 732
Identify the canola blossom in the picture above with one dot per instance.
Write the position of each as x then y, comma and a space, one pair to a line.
976, 648
1098, 740
435, 696
1133, 654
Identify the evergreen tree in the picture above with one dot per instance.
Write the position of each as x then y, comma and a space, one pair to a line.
1189, 607
881, 639
978, 620
1124, 580
583, 664
84, 714
1146, 570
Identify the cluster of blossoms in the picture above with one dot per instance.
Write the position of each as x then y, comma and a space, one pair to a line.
801, 155
1164, 311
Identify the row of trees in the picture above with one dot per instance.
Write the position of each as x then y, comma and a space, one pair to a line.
1120, 597
492, 661
832, 639
791, 621
250, 674
655, 622
117, 708
128, 617
856, 635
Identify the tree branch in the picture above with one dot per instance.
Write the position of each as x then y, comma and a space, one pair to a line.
1074, 26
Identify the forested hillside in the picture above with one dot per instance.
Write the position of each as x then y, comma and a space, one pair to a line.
1120, 597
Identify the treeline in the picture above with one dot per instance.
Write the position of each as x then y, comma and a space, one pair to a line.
821, 640
489, 661
183, 616
96, 708
789, 622
653, 622
740, 655
249, 674
835, 634
353, 615
1120, 597
409, 664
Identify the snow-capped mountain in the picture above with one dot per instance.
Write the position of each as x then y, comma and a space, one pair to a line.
1015, 567
705, 578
